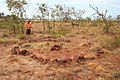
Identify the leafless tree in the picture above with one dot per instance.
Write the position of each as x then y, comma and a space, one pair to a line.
103, 16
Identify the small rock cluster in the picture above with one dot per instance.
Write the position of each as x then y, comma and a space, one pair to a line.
56, 47
16, 50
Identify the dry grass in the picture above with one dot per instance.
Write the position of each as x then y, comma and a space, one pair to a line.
20, 67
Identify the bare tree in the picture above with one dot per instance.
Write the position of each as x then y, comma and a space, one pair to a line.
77, 15
103, 15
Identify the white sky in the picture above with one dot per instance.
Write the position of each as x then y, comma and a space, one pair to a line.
113, 6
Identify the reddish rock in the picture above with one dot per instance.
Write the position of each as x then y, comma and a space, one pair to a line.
55, 40
55, 60
100, 51
66, 60
97, 54
81, 56
46, 60
76, 58
15, 50
55, 47
41, 59
23, 52
67, 40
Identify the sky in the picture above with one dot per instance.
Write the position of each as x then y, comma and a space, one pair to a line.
113, 6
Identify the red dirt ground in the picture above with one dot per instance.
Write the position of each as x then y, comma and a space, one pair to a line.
96, 65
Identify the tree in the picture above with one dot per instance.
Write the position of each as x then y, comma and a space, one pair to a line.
53, 16
42, 12
88, 19
16, 7
77, 15
59, 13
102, 15
118, 18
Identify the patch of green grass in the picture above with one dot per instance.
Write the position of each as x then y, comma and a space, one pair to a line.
61, 32
3, 41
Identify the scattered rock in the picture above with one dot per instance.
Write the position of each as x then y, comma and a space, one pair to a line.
76, 58
23, 52
67, 40
55, 61
55, 47
81, 56
15, 50
97, 54
100, 51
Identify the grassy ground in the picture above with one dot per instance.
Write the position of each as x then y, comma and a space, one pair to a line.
87, 40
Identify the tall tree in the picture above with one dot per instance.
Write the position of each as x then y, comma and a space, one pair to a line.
42, 12
59, 13
102, 15
16, 7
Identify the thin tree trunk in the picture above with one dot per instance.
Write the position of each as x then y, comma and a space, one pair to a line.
60, 24
107, 28
14, 29
54, 25
44, 25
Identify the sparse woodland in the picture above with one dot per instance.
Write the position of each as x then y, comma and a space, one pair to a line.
63, 44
